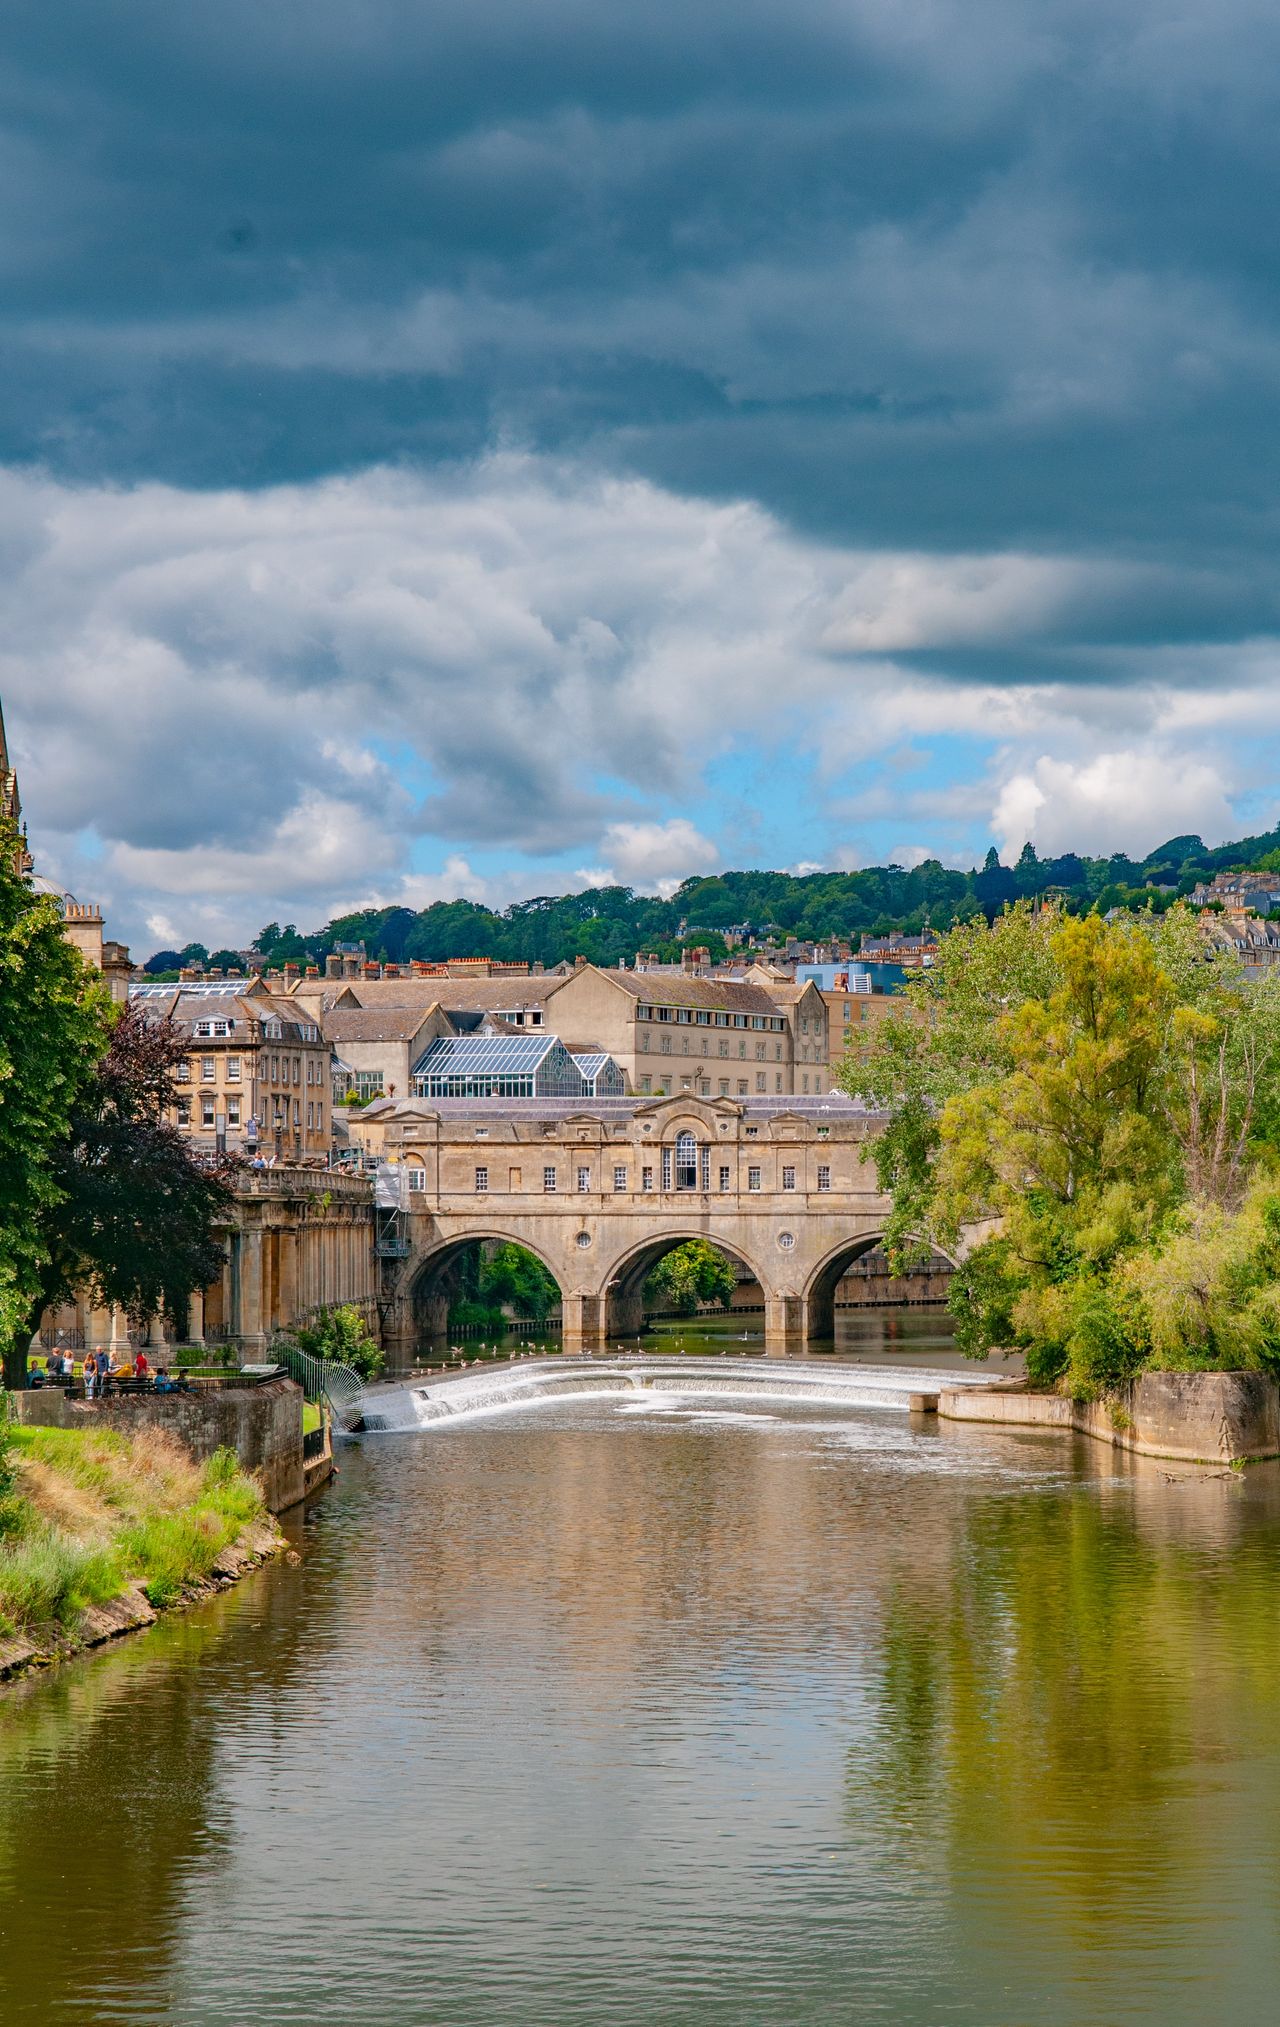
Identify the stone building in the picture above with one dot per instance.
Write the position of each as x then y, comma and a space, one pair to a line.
258, 1072
709, 1036
297, 1242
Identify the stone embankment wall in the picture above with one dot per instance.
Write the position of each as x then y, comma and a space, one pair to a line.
262, 1424
1199, 1417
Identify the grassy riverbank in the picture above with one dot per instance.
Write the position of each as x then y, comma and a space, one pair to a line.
85, 1516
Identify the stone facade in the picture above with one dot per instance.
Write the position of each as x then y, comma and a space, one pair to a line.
258, 1070
299, 1240
600, 1192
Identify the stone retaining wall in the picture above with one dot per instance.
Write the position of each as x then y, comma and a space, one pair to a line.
1199, 1417
262, 1424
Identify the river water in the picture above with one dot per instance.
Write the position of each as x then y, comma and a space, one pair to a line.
621, 1712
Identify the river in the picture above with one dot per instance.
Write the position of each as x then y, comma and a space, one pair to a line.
612, 1713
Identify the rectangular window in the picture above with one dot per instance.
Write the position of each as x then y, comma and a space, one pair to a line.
761, 1080
297, 1113
233, 1112
417, 1179
206, 1114
646, 1178
804, 1083
666, 1168
665, 1045
777, 1082
646, 1083
753, 1178
184, 1112
724, 1182
206, 1069
788, 1178
742, 1087
619, 1181
644, 1041
584, 1182
482, 1182
233, 1069
742, 1049
548, 1182
724, 1087
183, 1072
824, 1176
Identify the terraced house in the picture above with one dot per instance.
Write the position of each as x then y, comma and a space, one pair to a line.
257, 1075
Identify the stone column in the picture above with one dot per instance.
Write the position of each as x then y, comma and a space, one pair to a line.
97, 1335
251, 1290
157, 1335
118, 1340
287, 1242
195, 1317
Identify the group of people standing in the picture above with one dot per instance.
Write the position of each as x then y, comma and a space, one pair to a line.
102, 1369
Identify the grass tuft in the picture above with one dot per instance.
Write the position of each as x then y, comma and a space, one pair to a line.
92, 1511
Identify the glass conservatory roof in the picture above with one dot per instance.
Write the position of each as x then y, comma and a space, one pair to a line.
485, 1055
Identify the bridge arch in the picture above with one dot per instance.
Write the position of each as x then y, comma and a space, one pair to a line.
820, 1293
428, 1283
622, 1292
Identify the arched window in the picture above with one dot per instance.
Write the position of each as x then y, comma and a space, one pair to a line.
686, 1161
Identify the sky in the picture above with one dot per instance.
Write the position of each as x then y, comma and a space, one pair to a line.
485, 446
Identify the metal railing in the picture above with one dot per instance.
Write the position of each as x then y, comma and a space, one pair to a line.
323, 1379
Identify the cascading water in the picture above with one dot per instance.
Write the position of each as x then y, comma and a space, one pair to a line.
491, 1392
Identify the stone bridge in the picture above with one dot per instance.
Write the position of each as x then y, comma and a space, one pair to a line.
600, 1191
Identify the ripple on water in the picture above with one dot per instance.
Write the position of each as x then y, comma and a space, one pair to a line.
627, 1713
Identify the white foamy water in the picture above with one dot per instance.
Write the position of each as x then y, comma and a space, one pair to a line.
654, 1385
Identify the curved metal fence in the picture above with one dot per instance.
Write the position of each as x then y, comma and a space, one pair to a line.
323, 1379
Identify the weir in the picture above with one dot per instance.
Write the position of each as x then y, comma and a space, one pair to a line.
472, 1395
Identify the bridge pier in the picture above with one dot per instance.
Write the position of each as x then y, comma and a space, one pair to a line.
584, 1323
785, 1335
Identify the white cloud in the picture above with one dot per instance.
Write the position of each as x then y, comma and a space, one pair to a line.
655, 857
229, 707
1113, 802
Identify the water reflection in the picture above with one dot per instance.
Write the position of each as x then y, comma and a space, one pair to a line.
690, 1716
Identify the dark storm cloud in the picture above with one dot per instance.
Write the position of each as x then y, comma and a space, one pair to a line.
927, 276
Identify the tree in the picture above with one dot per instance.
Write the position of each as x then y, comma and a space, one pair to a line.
946, 1040
135, 1218
342, 1335
226, 960
54, 1019
511, 1277
689, 1275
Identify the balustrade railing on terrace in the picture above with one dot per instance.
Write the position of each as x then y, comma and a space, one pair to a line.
338, 1183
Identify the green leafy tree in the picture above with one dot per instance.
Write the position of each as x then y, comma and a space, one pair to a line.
946, 1040
341, 1334
512, 1278
690, 1275
54, 1021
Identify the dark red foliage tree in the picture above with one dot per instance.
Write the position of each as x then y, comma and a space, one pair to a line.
137, 1224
